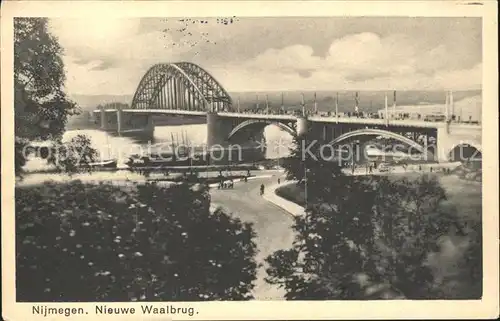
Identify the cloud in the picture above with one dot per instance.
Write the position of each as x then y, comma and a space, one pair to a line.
104, 64
296, 57
363, 60
111, 56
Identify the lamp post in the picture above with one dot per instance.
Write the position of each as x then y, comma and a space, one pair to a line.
208, 164
305, 180
315, 105
354, 154
337, 108
279, 146
386, 112
394, 105
282, 104
267, 105
303, 104
452, 106
305, 186
446, 112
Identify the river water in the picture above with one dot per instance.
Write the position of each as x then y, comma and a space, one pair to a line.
112, 146
118, 147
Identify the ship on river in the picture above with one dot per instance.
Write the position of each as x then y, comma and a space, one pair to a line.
179, 153
43, 150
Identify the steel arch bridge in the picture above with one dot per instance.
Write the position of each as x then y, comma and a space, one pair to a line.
180, 86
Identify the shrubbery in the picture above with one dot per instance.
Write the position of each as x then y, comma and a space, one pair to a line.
468, 173
367, 237
79, 242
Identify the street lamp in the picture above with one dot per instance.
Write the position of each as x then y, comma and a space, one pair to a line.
305, 185
354, 154
208, 163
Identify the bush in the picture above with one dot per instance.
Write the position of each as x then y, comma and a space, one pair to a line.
80, 242
373, 231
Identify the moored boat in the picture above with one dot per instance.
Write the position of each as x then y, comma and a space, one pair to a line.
110, 163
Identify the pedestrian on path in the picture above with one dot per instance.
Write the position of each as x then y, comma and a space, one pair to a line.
279, 181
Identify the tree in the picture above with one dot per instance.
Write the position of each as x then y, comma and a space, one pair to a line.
317, 159
41, 104
361, 237
73, 156
19, 157
41, 107
83, 242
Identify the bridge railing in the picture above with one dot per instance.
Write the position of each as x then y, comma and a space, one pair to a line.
365, 118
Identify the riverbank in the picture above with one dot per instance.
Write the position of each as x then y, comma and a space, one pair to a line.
128, 176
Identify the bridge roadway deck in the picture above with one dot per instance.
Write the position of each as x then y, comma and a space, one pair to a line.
318, 119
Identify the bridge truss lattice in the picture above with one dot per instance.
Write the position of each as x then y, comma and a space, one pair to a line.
181, 86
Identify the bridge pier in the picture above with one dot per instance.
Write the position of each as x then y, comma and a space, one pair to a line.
121, 122
302, 125
217, 130
222, 150
119, 119
108, 120
104, 119
150, 126
134, 124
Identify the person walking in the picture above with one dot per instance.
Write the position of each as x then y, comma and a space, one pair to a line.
279, 181
262, 189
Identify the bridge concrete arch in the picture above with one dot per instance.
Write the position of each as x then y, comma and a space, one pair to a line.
451, 137
263, 123
379, 132
452, 150
471, 143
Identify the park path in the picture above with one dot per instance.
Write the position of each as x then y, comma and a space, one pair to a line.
272, 224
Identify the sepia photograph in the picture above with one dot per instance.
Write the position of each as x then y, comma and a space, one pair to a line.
170, 159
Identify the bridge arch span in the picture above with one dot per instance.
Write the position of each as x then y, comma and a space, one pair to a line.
379, 132
464, 150
182, 85
263, 123
470, 143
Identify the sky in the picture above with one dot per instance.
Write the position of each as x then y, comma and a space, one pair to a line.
109, 57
